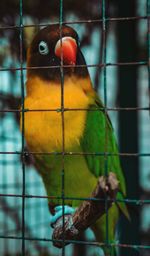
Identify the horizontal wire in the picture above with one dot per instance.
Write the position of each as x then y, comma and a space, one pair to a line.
46, 223
138, 202
76, 109
77, 22
75, 153
100, 65
88, 243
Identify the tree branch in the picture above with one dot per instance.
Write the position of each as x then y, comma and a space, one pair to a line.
88, 212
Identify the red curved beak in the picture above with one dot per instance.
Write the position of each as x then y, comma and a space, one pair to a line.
67, 48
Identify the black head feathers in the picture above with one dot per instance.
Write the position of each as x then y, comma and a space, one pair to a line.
45, 58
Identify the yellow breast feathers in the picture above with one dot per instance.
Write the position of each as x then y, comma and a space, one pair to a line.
43, 129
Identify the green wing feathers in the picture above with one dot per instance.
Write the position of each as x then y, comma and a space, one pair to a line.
99, 138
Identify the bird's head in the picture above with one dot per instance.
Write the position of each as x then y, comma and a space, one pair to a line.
52, 47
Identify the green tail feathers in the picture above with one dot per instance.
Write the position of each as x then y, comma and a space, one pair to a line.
122, 205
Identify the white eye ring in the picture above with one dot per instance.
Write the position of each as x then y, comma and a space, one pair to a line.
43, 48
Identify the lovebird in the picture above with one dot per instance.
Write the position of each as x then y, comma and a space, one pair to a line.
83, 128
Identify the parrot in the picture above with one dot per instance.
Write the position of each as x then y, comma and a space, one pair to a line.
85, 131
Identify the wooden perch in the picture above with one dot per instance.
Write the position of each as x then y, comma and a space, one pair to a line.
87, 213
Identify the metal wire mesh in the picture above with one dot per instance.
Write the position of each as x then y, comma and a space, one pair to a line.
21, 195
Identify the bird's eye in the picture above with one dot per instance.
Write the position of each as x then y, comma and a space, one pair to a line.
43, 48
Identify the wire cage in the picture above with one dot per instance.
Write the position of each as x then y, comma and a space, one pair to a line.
115, 39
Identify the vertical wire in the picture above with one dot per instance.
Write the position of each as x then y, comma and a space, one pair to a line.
105, 107
4, 181
63, 126
22, 125
148, 44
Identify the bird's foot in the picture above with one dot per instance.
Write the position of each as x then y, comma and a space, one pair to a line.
61, 210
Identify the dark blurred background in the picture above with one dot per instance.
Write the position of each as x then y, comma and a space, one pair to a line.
127, 84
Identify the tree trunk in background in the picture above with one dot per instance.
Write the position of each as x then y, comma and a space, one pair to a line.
128, 120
